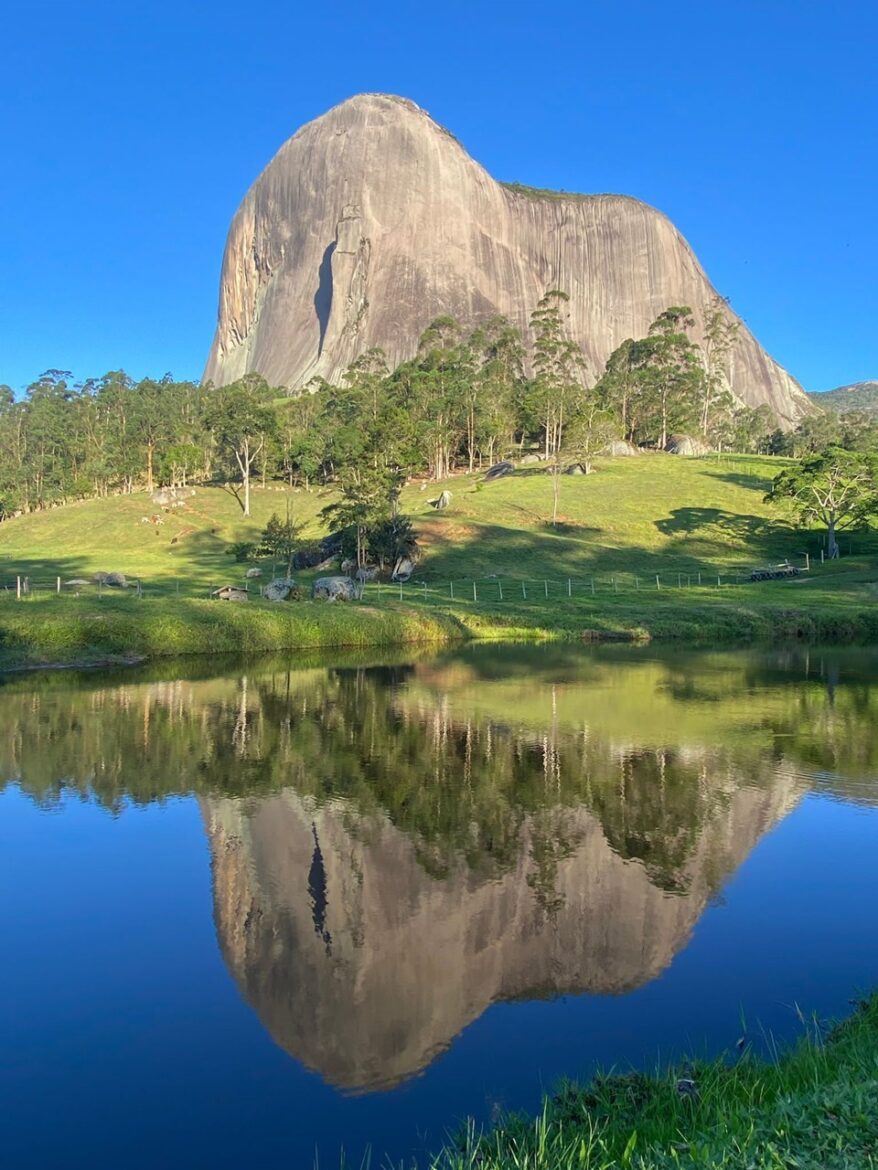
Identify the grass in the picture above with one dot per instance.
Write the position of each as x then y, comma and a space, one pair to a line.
493, 564
813, 1108
71, 630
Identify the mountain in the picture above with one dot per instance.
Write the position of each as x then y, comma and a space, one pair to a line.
373, 220
857, 396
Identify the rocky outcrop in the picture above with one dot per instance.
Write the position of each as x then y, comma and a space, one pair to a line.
364, 964
372, 220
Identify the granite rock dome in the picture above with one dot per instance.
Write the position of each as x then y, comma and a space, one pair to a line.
372, 220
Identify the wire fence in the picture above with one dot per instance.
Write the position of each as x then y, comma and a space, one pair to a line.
494, 589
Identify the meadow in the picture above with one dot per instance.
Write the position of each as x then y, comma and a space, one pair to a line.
648, 547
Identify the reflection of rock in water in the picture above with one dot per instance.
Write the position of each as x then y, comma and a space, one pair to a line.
364, 966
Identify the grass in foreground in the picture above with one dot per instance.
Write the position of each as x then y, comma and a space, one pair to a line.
68, 630
815, 1108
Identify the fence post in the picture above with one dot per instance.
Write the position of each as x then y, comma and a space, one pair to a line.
57, 584
425, 592
18, 588
524, 591
569, 587
475, 595
400, 591
717, 581
546, 587
615, 590
592, 586
658, 583
821, 556
500, 587
636, 583
679, 580
807, 563
699, 576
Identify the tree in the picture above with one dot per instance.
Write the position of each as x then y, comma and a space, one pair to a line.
391, 539
720, 334
557, 363
671, 370
368, 498
836, 488
620, 385
240, 417
444, 372
280, 538
589, 432
496, 388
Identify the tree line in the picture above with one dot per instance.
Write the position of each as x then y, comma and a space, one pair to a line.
466, 399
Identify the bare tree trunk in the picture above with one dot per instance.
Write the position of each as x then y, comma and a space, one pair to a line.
832, 539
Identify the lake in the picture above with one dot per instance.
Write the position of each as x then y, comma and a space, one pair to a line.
257, 911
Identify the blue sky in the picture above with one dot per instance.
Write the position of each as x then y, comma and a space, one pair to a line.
129, 132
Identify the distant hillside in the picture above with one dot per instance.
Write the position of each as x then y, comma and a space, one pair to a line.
857, 396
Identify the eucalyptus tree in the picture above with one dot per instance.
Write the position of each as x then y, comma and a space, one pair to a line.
443, 373
672, 372
721, 332
240, 417
557, 367
496, 389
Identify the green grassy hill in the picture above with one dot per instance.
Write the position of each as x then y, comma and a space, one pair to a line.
492, 561
646, 515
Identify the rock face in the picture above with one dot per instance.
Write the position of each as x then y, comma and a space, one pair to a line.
372, 220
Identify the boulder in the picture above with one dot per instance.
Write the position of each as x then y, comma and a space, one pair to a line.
230, 593
77, 582
403, 569
172, 497
253, 573
441, 502
279, 589
335, 589
367, 573
531, 459
621, 447
499, 469
114, 580
575, 469
686, 445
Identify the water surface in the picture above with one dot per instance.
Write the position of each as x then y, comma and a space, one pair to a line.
299, 905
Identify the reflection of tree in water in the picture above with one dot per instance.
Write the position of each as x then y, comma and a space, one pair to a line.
461, 782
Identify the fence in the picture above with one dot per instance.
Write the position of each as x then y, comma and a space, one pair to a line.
494, 589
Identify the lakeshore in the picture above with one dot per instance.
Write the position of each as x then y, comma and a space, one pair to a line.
57, 631
815, 1106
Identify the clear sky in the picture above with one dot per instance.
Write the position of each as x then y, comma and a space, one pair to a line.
130, 131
